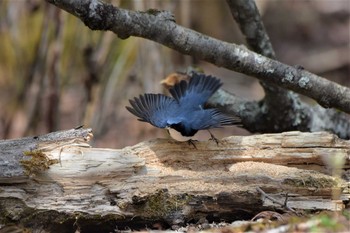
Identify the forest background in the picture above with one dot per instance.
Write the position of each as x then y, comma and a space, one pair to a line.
55, 73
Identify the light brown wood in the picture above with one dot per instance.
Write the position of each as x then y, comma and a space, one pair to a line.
14, 152
173, 182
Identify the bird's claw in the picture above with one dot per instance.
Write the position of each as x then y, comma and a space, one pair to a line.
191, 142
212, 137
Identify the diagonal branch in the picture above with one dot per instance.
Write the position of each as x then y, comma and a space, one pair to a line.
276, 99
247, 15
160, 26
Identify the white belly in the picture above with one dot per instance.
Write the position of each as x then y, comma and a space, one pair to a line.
177, 135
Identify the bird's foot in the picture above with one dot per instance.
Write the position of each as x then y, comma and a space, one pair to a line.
191, 142
212, 137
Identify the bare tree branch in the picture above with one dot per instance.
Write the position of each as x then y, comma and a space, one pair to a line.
296, 114
160, 27
276, 99
247, 15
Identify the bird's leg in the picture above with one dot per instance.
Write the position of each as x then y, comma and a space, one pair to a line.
191, 142
212, 137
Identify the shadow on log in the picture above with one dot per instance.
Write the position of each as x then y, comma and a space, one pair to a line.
165, 182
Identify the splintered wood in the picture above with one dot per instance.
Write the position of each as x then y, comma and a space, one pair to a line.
173, 181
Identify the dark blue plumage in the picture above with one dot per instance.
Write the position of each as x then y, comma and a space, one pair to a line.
184, 112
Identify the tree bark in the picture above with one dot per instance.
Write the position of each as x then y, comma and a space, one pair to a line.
171, 183
14, 153
160, 26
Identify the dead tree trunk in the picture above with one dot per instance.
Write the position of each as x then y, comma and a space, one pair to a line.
59, 184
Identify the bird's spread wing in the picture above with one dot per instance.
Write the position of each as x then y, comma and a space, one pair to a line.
213, 118
197, 91
153, 108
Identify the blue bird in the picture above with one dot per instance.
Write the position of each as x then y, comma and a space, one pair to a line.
184, 112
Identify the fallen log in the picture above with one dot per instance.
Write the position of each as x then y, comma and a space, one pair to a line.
167, 182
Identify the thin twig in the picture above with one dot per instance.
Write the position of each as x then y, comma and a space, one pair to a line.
284, 205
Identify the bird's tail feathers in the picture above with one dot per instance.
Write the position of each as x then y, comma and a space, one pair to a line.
179, 90
199, 85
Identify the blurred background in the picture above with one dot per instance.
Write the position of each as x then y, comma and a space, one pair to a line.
55, 73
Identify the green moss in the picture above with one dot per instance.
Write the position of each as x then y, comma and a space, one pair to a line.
309, 181
37, 163
159, 205
328, 222
346, 214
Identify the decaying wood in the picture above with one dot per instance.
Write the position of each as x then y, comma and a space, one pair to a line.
16, 151
173, 183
